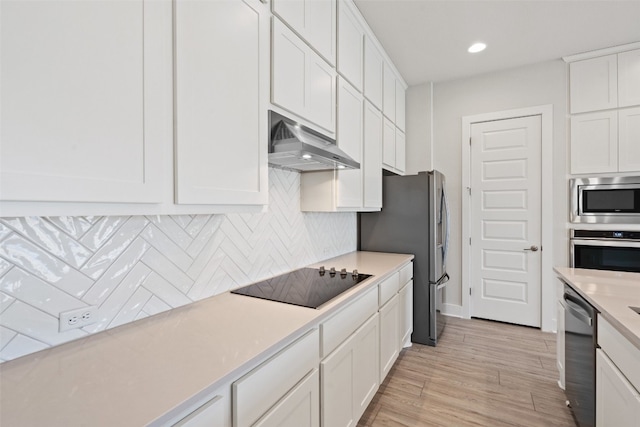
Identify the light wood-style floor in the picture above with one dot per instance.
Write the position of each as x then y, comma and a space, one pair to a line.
482, 373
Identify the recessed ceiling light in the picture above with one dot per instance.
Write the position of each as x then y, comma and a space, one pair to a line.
477, 47
306, 156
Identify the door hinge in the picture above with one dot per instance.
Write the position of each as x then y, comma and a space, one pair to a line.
469, 140
469, 190
469, 291
469, 240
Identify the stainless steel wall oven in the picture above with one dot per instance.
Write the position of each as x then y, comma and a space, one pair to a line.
605, 250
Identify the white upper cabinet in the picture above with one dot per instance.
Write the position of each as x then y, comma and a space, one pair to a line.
400, 106
314, 21
629, 139
388, 144
372, 158
349, 139
389, 93
350, 45
629, 78
302, 82
221, 147
373, 69
401, 152
86, 100
593, 84
594, 142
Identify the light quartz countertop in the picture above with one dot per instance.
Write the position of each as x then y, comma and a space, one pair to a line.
611, 293
152, 369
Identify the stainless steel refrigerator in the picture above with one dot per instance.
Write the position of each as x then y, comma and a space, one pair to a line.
414, 219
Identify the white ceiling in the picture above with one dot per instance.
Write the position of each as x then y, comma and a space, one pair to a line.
428, 39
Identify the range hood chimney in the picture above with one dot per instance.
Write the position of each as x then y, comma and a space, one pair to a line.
293, 146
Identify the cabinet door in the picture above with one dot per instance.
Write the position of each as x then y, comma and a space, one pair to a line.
400, 106
221, 147
389, 143
389, 93
302, 82
350, 45
337, 387
299, 408
373, 69
313, 20
629, 140
372, 159
366, 365
560, 344
629, 78
388, 336
288, 69
405, 314
593, 84
349, 377
86, 100
617, 402
401, 151
349, 139
594, 142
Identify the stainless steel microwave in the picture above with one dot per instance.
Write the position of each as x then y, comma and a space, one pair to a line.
610, 200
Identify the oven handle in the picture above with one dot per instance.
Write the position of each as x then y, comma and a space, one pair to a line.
606, 242
568, 300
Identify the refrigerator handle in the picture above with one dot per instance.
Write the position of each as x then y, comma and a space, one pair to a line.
445, 204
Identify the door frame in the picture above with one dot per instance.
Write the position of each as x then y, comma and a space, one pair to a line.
547, 288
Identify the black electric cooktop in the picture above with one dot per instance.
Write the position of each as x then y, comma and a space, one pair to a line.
307, 287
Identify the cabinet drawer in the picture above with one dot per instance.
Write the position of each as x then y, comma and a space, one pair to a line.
406, 274
335, 330
621, 352
261, 388
389, 288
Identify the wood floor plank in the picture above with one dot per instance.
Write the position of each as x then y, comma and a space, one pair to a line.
482, 373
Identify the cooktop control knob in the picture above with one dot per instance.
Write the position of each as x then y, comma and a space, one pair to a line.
322, 270
343, 273
355, 274
332, 271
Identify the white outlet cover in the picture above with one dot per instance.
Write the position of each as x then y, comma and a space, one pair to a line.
78, 318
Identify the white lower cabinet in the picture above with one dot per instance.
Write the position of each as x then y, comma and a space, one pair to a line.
349, 377
617, 401
405, 315
273, 382
560, 333
212, 411
299, 408
389, 340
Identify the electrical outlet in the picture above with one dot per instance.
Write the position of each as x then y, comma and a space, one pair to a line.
78, 318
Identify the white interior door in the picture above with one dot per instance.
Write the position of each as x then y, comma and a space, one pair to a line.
505, 224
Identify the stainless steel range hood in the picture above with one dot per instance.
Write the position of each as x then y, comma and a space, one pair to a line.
293, 146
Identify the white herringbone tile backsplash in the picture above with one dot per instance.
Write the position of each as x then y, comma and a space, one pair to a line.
137, 266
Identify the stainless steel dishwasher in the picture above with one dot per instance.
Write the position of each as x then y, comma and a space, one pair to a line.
580, 343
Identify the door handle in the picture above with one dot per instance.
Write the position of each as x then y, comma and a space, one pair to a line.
533, 248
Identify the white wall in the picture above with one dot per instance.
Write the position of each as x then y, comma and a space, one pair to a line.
419, 127
538, 84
